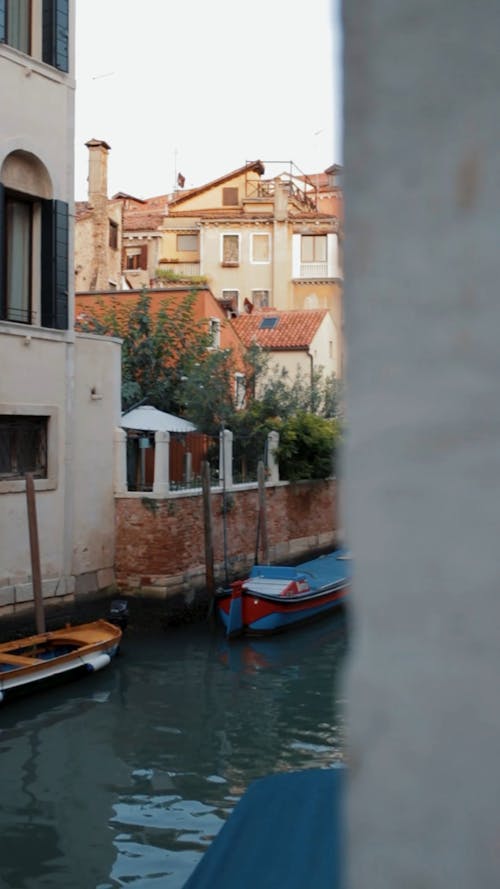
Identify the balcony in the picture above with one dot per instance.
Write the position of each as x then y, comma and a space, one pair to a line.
313, 270
180, 269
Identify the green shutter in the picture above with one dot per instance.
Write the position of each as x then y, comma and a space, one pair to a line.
55, 33
2, 252
55, 264
2, 21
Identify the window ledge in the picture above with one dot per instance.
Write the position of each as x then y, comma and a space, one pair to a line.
30, 331
32, 65
18, 485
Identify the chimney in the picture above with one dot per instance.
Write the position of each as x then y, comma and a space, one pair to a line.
281, 195
98, 170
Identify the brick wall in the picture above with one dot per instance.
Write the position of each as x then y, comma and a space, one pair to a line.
160, 543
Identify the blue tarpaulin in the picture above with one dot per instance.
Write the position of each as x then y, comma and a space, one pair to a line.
285, 833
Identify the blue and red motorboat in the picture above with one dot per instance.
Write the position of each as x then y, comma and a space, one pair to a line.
274, 598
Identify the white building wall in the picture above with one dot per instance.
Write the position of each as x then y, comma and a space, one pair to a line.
97, 396
43, 372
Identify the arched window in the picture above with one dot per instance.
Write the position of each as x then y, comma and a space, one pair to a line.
33, 245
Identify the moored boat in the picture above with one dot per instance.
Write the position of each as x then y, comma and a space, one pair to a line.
33, 661
274, 597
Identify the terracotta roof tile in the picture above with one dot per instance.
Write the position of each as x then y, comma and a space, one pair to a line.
142, 221
295, 329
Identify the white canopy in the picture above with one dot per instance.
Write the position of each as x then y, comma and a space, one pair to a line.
149, 419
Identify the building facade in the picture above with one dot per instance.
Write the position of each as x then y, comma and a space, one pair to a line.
59, 393
257, 237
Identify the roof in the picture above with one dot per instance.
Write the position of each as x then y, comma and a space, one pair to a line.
142, 221
149, 419
256, 166
294, 329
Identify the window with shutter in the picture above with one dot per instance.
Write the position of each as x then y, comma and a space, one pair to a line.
260, 298
55, 264
23, 446
187, 243
230, 197
18, 21
16, 249
260, 248
17, 24
230, 250
113, 235
55, 32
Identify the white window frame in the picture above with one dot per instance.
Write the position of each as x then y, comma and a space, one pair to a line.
232, 291
261, 290
232, 235
260, 235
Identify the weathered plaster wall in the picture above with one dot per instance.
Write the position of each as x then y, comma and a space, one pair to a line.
423, 456
160, 544
97, 398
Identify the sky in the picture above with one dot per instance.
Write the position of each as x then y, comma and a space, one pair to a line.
200, 88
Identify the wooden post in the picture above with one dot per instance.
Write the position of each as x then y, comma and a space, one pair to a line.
35, 554
207, 523
261, 478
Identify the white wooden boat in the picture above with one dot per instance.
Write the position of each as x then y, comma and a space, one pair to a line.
33, 661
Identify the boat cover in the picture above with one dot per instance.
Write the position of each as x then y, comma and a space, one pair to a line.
284, 832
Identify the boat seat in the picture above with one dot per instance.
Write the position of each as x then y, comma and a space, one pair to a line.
19, 660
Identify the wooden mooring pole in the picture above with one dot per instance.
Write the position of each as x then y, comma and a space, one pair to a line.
207, 524
36, 573
262, 519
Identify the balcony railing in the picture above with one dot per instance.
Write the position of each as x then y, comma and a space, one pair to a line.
182, 269
313, 270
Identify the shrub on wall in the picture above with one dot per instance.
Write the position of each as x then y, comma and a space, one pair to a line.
308, 447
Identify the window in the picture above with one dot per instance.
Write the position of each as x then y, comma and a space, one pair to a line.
23, 446
239, 391
33, 252
18, 24
136, 257
230, 197
230, 299
113, 235
313, 248
230, 250
269, 322
187, 243
18, 19
214, 333
18, 252
260, 299
260, 248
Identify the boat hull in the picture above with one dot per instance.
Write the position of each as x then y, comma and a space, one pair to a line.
274, 599
28, 664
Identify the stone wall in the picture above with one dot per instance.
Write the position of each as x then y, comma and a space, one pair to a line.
160, 542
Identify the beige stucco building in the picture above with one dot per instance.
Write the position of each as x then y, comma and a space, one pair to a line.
259, 236
298, 341
59, 393
259, 241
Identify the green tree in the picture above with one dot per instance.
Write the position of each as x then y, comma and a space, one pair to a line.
308, 447
158, 351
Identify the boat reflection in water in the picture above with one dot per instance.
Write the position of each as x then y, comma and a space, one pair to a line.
251, 654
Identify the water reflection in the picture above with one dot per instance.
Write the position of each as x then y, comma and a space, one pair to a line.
125, 777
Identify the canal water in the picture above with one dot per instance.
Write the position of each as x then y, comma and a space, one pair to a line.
123, 778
